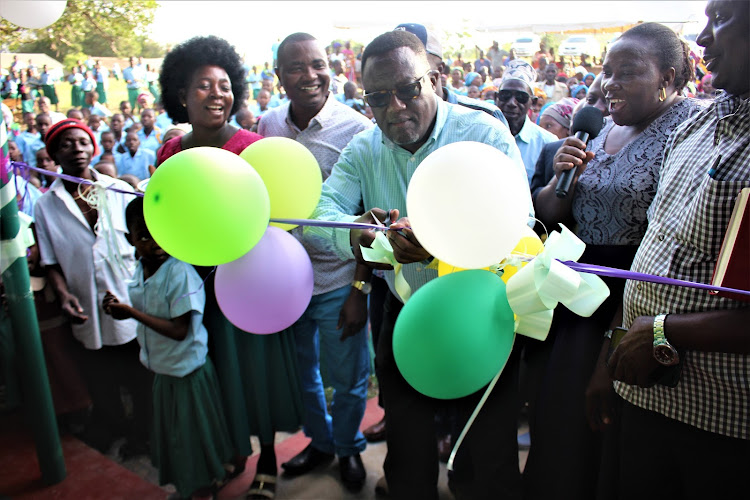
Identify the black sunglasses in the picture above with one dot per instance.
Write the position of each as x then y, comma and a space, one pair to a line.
505, 95
381, 98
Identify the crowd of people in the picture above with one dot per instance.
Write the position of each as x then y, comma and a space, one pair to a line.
609, 417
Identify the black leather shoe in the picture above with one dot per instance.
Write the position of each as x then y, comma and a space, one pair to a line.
306, 460
353, 473
375, 432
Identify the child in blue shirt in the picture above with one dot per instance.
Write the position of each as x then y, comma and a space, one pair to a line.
135, 160
189, 438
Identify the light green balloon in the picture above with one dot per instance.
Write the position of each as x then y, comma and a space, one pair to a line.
454, 334
291, 174
206, 206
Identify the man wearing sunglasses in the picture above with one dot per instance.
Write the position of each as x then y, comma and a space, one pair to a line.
435, 58
514, 100
371, 177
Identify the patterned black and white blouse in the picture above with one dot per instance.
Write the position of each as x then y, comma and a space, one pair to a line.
614, 191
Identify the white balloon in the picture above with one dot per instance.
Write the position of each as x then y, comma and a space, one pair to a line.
468, 204
33, 15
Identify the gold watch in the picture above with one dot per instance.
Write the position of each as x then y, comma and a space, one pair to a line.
362, 286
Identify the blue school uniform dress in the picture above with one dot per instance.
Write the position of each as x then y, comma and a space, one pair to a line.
189, 437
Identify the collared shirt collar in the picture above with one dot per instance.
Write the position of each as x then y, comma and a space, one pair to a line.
323, 118
728, 104
526, 133
450, 96
58, 188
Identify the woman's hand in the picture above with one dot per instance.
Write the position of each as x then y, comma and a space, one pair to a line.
600, 394
572, 154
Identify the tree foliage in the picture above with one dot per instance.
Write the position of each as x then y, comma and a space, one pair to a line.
95, 27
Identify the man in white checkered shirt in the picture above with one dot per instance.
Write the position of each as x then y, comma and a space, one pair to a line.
692, 440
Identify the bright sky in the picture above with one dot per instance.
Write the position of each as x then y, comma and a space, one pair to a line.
253, 26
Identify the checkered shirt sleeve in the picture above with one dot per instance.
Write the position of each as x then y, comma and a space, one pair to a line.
706, 164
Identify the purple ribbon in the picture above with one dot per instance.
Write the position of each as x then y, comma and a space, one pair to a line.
650, 278
66, 177
577, 266
330, 223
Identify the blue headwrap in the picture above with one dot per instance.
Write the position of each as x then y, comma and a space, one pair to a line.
541, 111
470, 78
574, 91
587, 75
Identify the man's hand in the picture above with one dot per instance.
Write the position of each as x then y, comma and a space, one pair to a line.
633, 360
72, 308
114, 308
353, 315
406, 247
365, 237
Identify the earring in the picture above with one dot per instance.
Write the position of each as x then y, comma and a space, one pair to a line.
662, 94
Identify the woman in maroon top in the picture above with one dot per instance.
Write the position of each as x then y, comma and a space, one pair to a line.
203, 82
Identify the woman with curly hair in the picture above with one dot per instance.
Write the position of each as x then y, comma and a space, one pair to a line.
203, 83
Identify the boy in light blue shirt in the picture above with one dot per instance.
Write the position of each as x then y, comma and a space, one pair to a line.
135, 160
150, 135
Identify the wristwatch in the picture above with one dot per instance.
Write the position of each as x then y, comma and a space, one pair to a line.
664, 352
362, 286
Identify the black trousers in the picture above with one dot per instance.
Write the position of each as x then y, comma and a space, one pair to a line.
108, 369
486, 464
663, 459
377, 300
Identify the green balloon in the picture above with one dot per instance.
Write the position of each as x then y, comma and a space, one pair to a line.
454, 334
291, 174
206, 206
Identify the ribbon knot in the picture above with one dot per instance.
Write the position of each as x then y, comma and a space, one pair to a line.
95, 194
536, 289
381, 252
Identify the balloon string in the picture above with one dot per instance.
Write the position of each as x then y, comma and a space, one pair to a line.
95, 195
473, 416
175, 301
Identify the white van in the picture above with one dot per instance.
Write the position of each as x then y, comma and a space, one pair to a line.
526, 45
580, 44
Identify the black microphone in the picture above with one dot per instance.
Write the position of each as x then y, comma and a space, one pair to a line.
587, 124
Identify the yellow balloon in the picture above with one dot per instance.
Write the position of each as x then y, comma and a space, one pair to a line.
530, 244
291, 174
445, 268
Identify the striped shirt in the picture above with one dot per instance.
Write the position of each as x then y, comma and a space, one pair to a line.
372, 171
706, 164
325, 136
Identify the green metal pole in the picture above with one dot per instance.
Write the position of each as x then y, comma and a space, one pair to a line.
33, 372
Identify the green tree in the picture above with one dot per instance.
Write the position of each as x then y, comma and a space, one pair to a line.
96, 27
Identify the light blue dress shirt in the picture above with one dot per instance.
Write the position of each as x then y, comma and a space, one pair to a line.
372, 171
530, 140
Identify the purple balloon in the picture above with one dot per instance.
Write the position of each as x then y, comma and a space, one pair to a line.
267, 289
